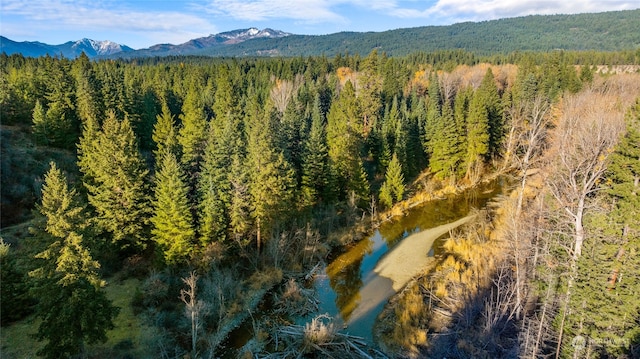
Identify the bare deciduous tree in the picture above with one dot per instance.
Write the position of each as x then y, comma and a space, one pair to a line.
526, 141
193, 308
588, 128
284, 90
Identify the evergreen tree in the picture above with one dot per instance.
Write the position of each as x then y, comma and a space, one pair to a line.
400, 147
88, 105
392, 189
477, 131
164, 133
87, 150
239, 208
271, 179
225, 99
63, 126
492, 102
460, 114
434, 112
172, 220
344, 141
215, 180
192, 133
15, 301
115, 177
113, 95
314, 160
446, 157
73, 309
369, 91
41, 128
624, 169
292, 132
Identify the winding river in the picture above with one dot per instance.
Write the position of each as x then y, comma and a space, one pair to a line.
356, 285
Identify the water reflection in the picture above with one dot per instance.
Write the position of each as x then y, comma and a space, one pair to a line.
352, 291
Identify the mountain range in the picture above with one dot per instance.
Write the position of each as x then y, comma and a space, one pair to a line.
606, 31
102, 49
70, 49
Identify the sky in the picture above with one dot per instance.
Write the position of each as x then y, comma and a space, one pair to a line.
143, 23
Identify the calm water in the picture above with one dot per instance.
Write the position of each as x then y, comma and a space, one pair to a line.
353, 293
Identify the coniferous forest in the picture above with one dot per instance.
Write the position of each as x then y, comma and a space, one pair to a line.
151, 207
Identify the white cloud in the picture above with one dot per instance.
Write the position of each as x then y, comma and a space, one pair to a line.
105, 15
311, 11
460, 10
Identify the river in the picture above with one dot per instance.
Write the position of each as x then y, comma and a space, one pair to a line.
356, 285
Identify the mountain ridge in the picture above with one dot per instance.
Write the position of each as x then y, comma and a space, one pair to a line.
604, 31
70, 49
107, 48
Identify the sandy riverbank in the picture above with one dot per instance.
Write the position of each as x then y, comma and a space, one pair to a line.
406, 260
409, 257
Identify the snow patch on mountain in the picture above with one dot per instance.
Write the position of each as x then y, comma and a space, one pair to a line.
251, 33
97, 48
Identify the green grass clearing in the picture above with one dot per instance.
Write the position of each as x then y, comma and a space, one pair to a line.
130, 338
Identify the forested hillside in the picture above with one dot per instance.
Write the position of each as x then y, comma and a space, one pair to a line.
212, 184
608, 31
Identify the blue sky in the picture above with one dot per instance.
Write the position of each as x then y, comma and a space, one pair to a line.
142, 23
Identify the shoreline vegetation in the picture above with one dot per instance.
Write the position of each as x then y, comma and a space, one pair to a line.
422, 308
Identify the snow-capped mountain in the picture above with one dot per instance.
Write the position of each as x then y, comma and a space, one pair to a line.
70, 49
93, 48
221, 39
237, 36
97, 48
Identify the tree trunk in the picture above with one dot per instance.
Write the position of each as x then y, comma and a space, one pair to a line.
579, 235
258, 239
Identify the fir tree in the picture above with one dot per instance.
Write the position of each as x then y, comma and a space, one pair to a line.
192, 133
369, 91
73, 309
314, 162
116, 181
392, 189
164, 133
344, 141
63, 126
460, 114
271, 179
41, 128
434, 112
88, 105
239, 208
447, 156
215, 180
172, 220
477, 131
492, 102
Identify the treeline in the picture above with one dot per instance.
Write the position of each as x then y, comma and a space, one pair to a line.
202, 163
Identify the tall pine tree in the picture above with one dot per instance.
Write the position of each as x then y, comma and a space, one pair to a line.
172, 220
314, 160
115, 177
73, 309
271, 179
393, 188
344, 141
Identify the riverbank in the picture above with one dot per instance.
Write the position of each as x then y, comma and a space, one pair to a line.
409, 257
427, 189
449, 305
